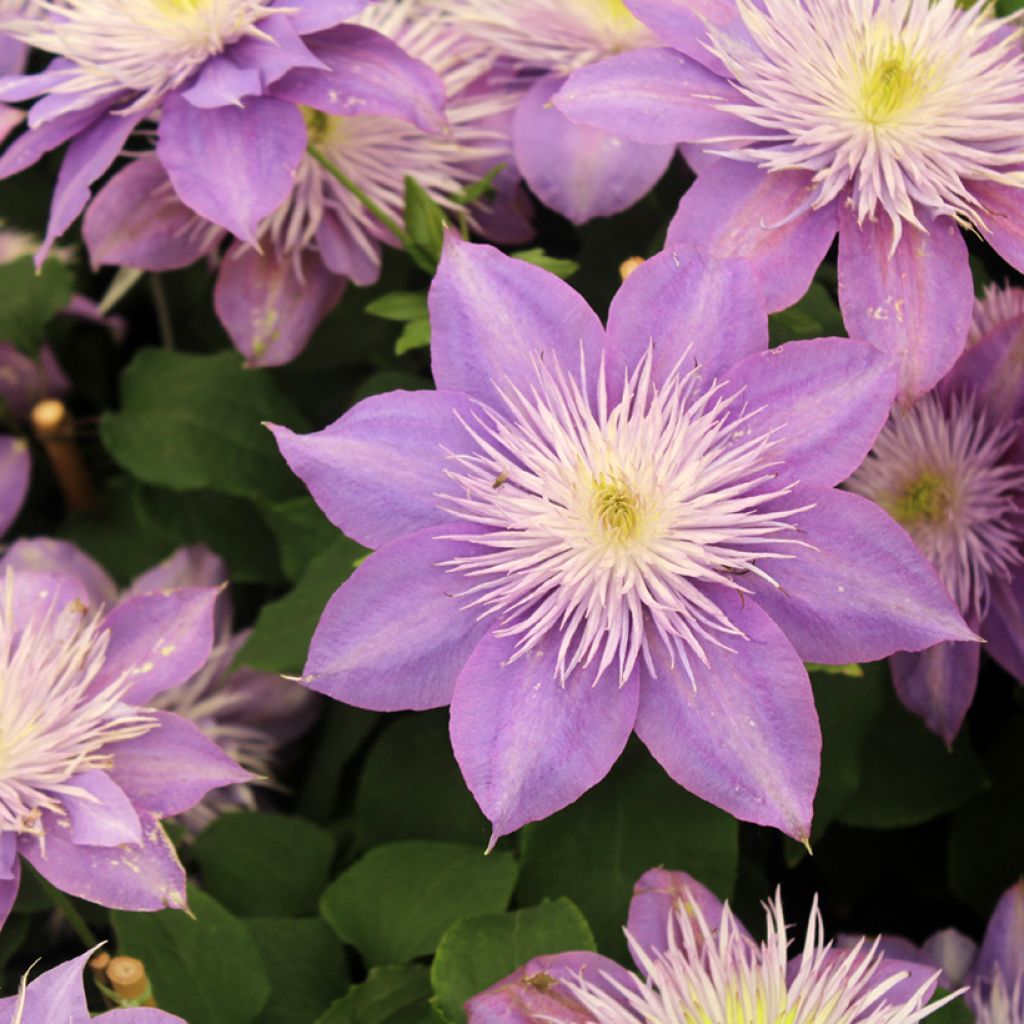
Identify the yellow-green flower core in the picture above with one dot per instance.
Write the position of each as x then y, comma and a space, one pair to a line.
617, 508
926, 500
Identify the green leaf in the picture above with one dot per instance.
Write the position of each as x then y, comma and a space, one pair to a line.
265, 865
907, 776
232, 527
396, 903
306, 966
816, 315
415, 334
280, 639
400, 306
847, 706
29, 301
478, 951
206, 969
194, 422
1004, 7
482, 189
411, 787
390, 995
424, 222
643, 819
539, 258
302, 532
955, 1012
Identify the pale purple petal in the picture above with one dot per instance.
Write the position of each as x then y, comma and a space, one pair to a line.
343, 255
527, 744
377, 471
233, 165
578, 171
861, 590
396, 635
743, 733
1003, 945
491, 315
60, 557
13, 56
993, 369
684, 25
148, 876
158, 640
9, 891
520, 999
828, 398
139, 1015
192, 566
15, 473
136, 220
1003, 219
170, 769
655, 96
273, 58
689, 305
954, 952
222, 82
89, 156
938, 684
38, 594
103, 814
57, 995
270, 305
31, 146
737, 209
369, 75
915, 303
1003, 627
658, 896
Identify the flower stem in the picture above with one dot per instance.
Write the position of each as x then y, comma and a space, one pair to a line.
63, 903
374, 208
163, 312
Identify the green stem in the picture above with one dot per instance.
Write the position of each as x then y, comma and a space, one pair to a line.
163, 311
382, 215
63, 903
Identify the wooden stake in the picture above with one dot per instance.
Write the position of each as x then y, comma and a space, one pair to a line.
626, 267
54, 427
128, 979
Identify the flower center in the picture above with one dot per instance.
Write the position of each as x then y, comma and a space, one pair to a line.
892, 86
926, 500
606, 524
319, 126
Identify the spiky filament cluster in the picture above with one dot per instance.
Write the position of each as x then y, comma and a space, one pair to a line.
607, 522
1000, 1001
904, 102
945, 471
378, 153
999, 304
135, 51
55, 722
720, 975
550, 35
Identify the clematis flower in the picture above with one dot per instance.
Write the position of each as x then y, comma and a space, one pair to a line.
951, 470
582, 172
696, 962
582, 532
89, 770
892, 121
271, 297
249, 715
58, 995
228, 81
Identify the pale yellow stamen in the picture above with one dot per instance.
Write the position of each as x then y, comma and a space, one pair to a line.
895, 83
617, 508
925, 500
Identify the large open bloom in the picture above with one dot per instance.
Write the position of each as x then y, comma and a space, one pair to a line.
696, 962
582, 532
951, 470
581, 172
226, 79
894, 122
58, 995
271, 298
88, 769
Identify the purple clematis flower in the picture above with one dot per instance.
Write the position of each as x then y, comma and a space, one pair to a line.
696, 962
891, 121
248, 714
582, 172
272, 297
228, 82
999, 305
58, 995
951, 470
584, 532
89, 769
